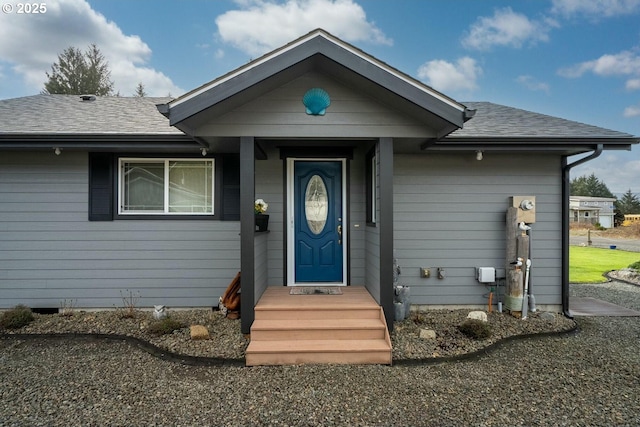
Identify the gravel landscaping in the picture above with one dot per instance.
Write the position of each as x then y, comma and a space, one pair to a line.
227, 342
591, 377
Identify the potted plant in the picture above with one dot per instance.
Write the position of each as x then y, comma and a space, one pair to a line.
262, 220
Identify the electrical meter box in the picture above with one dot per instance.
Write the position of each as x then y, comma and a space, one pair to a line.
526, 208
486, 274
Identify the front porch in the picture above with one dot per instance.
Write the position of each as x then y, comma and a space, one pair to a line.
349, 328
257, 121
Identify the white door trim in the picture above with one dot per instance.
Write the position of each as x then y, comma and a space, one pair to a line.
290, 279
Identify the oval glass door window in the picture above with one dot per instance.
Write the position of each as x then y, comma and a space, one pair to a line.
316, 204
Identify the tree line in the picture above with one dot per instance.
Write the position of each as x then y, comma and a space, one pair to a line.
83, 73
593, 187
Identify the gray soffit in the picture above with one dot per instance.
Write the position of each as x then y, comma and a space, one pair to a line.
110, 142
316, 43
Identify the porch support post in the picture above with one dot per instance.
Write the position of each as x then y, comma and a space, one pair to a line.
385, 189
247, 230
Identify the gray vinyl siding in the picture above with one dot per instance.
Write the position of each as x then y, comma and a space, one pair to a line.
281, 114
450, 212
357, 220
261, 251
270, 188
50, 252
372, 255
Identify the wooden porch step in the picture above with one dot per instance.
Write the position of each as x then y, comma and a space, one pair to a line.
312, 329
304, 329
316, 313
289, 352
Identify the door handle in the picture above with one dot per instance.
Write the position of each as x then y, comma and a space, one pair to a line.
340, 234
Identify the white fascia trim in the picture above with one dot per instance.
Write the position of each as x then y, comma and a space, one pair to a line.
239, 71
396, 73
334, 40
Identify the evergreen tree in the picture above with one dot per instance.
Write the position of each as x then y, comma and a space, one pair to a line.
78, 73
629, 203
140, 92
590, 186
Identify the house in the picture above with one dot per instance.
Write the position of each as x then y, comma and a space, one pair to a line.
104, 195
592, 210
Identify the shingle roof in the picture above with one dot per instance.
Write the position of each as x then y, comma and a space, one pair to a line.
496, 121
69, 114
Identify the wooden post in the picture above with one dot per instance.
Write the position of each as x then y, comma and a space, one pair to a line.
522, 245
510, 237
513, 297
515, 285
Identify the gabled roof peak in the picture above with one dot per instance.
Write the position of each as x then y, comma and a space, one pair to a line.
317, 43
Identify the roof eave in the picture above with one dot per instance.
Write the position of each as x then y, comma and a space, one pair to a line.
118, 142
521, 143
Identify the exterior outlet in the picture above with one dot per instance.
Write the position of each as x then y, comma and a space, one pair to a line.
486, 274
425, 272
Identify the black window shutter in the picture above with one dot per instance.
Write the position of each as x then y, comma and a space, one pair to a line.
101, 187
231, 187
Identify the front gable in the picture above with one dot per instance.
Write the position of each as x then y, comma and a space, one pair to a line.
331, 58
280, 113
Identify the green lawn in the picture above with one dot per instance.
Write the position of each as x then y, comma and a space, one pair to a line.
587, 265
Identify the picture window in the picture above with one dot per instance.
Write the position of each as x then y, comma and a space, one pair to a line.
166, 186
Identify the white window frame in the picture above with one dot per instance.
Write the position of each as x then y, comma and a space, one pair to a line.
166, 161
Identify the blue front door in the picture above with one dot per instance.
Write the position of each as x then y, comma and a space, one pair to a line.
318, 222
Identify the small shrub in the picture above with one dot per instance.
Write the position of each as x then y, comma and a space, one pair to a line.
129, 304
67, 307
165, 326
16, 318
418, 318
635, 265
476, 329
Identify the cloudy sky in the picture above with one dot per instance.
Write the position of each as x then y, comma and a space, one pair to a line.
576, 59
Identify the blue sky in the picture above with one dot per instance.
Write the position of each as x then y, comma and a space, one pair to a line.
576, 59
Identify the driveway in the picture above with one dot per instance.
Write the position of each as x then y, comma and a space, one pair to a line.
588, 306
632, 245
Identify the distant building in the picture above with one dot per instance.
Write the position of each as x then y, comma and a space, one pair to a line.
592, 210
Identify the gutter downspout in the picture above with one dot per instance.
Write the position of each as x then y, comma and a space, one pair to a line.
566, 190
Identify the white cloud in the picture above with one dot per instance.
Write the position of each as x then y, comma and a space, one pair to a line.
446, 76
595, 8
506, 28
626, 63
31, 43
262, 25
632, 111
532, 84
622, 63
633, 84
